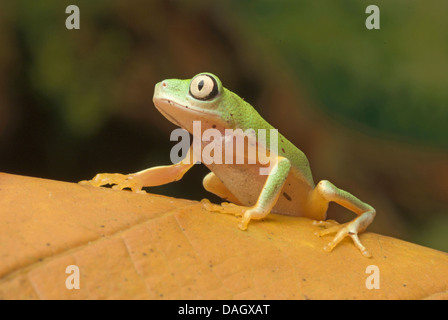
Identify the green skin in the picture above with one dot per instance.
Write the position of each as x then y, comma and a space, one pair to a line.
287, 190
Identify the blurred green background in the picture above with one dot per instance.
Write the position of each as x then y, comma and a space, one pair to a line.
368, 107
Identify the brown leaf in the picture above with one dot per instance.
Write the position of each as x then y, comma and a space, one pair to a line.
144, 246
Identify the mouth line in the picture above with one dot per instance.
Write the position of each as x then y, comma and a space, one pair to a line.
180, 106
177, 105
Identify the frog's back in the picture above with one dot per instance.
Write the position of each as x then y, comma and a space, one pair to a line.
245, 181
286, 149
299, 183
246, 117
299, 162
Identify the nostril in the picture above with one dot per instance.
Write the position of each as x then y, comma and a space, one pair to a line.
164, 84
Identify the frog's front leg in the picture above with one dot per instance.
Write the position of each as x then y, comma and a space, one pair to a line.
317, 206
117, 180
151, 177
267, 199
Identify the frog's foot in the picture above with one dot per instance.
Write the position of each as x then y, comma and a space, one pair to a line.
117, 180
342, 230
325, 223
225, 207
247, 213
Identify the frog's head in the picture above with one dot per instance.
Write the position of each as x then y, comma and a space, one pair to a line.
201, 98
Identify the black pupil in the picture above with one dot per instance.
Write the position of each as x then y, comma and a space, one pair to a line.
200, 85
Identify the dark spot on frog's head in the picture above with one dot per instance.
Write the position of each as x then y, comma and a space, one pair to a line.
214, 126
283, 150
287, 196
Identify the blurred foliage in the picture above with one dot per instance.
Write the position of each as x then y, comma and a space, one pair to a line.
73, 71
393, 79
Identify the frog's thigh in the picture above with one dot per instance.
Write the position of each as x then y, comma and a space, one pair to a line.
324, 192
214, 185
317, 206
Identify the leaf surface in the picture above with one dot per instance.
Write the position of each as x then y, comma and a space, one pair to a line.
145, 246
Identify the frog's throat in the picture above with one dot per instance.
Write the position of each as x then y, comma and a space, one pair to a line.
171, 116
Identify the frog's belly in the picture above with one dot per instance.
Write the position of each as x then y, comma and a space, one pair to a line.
246, 184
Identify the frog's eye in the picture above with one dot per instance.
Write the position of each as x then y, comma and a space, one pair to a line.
203, 87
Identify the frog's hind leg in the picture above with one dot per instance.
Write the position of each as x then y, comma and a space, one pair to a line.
317, 206
214, 185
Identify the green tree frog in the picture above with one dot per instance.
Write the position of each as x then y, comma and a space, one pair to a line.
288, 188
